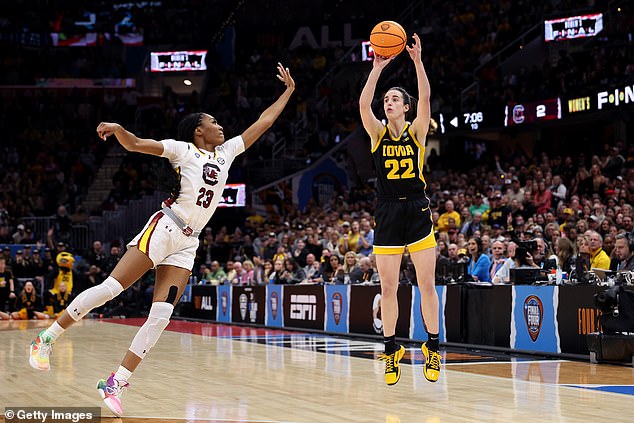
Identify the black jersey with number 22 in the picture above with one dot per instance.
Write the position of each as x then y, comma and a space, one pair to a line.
399, 165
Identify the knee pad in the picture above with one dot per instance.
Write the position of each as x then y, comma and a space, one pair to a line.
151, 331
94, 297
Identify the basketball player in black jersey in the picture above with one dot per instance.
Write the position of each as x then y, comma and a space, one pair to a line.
403, 219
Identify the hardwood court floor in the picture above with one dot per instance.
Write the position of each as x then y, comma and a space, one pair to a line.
214, 373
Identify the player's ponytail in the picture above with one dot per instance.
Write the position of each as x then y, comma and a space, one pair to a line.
168, 179
188, 125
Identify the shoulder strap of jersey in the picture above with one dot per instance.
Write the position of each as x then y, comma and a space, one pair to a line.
378, 142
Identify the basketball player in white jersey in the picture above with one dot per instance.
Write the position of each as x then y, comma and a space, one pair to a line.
169, 240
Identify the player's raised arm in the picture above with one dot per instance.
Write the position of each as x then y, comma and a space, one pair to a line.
128, 140
270, 115
371, 124
420, 125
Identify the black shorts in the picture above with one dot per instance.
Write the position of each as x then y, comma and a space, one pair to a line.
401, 224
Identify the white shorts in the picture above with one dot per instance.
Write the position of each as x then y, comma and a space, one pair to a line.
165, 243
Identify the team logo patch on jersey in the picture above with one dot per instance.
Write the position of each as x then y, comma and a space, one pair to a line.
210, 173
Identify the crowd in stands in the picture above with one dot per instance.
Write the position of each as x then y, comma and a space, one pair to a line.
571, 205
582, 67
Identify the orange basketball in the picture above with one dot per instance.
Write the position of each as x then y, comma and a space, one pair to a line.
388, 38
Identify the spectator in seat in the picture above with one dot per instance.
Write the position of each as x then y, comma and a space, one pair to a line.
20, 235
28, 304
275, 277
7, 286
497, 258
350, 268
20, 266
503, 274
292, 274
471, 227
479, 263
367, 237
565, 253
623, 252
268, 271
58, 301
599, 259
300, 252
333, 270
248, 276
96, 255
450, 212
217, 275
365, 272
314, 274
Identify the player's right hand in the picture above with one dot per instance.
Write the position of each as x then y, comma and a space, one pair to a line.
381, 62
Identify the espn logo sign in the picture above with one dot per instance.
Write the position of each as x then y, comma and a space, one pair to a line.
303, 307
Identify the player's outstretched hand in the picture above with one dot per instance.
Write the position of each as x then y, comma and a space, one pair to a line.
284, 75
105, 129
415, 50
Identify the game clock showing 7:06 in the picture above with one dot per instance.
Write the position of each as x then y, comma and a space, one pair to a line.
465, 121
474, 120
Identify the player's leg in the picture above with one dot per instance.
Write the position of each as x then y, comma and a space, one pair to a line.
388, 266
130, 268
170, 284
425, 264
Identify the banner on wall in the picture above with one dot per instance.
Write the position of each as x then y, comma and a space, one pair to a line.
224, 303
417, 326
247, 304
204, 301
485, 319
304, 306
320, 183
337, 307
274, 313
534, 318
577, 316
365, 310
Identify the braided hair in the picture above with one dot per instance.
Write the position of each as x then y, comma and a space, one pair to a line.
168, 179
188, 125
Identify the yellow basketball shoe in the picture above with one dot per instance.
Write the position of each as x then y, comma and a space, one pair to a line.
431, 370
392, 369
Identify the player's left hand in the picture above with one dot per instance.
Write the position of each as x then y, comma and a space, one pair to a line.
105, 129
415, 50
284, 75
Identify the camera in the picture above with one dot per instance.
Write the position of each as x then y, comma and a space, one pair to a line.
523, 249
608, 301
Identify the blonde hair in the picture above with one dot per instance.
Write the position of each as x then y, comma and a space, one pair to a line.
346, 267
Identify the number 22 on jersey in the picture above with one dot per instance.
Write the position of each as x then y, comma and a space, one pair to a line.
400, 169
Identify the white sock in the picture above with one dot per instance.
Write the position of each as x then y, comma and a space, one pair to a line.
54, 331
122, 375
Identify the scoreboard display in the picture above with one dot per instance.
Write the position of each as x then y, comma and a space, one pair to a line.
175, 61
537, 111
573, 27
234, 195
